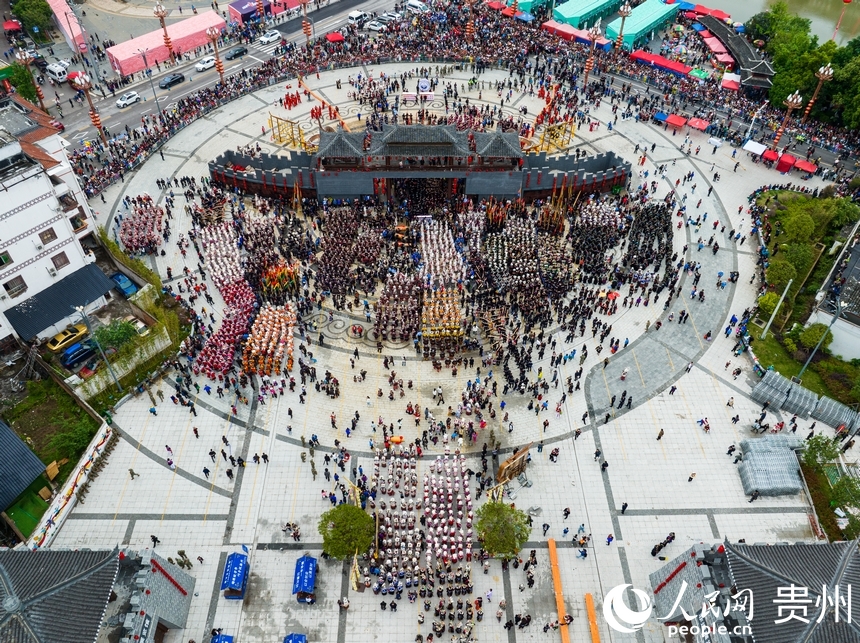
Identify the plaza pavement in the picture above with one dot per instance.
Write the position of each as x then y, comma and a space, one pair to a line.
212, 518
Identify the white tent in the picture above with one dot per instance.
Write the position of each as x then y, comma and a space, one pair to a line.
755, 147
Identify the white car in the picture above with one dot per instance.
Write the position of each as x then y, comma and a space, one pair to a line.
129, 98
205, 63
65, 63
375, 25
390, 16
270, 36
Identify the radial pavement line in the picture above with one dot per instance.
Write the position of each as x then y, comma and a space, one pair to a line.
240, 474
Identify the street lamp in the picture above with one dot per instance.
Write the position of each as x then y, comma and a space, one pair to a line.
214, 34
754, 118
149, 73
25, 59
624, 12
845, 4
793, 102
83, 312
840, 305
594, 34
84, 84
470, 26
824, 75
160, 12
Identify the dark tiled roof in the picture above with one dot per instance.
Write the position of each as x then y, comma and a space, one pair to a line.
44, 309
54, 596
755, 70
19, 466
341, 144
420, 140
498, 144
765, 569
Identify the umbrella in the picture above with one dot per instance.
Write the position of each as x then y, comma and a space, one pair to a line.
680, 49
758, 43
613, 295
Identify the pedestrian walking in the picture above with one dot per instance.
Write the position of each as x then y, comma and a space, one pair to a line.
154, 540
206, 472
672, 390
623, 508
545, 528
660, 434
754, 496
133, 474
609, 539
692, 475
731, 402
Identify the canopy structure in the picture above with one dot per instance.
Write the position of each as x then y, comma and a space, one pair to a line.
726, 60
806, 166
714, 45
698, 123
645, 18
770, 155
559, 29
11, 25
243, 10
498, 6
696, 26
295, 638
755, 147
235, 577
785, 163
659, 61
525, 17
676, 121
661, 116
731, 81
334, 37
699, 73
305, 577
582, 12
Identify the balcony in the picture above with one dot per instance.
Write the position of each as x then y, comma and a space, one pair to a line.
79, 223
67, 202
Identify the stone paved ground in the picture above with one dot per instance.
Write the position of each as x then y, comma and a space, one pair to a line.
212, 518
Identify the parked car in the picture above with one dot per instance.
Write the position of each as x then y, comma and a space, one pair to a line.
139, 326
236, 52
170, 80
390, 16
77, 354
271, 36
205, 63
124, 284
375, 25
58, 125
67, 337
129, 98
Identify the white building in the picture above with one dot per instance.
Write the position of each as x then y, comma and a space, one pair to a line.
45, 271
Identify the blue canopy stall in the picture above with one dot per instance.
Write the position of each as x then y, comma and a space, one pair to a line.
305, 579
234, 582
295, 638
222, 638
660, 116
525, 17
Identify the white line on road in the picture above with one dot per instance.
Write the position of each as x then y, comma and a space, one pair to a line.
255, 58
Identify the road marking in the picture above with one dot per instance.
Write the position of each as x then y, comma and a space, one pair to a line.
81, 136
255, 58
146, 110
231, 68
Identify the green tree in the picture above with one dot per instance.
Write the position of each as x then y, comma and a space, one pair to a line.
779, 273
502, 529
812, 334
33, 13
345, 530
22, 81
115, 334
799, 255
846, 92
767, 303
846, 493
799, 227
819, 450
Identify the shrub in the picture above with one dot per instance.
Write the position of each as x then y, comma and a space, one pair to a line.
767, 303
812, 334
789, 344
779, 273
115, 334
799, 227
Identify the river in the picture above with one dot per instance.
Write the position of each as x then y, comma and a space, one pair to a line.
823, 13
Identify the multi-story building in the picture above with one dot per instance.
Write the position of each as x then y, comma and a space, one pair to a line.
45, 270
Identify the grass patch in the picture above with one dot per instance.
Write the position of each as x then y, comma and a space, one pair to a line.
27, 512
771, 353
820, 490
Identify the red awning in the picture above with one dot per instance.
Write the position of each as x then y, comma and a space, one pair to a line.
498, 6
719, 14
698, 123
806, 166
676, 121
705, 34
334, 37
785, 163
690, 15
714, 45
770, 155
731, 84
509, 12
11, 25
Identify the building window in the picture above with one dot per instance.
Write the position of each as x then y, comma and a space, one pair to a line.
47, 236
5, 259
60, 260
15, 287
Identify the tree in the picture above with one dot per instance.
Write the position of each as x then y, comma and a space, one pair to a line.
819, 450
779, 273
115, 334
812, 334
345, 530
799, 255
799, 227
33, 13
846, 493
502, 528
767, 303
22, 81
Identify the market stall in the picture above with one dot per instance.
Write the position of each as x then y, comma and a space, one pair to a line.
305, 579
234, 581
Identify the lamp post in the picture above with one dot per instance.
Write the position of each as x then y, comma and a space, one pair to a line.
845, 4
25, 59
840, 305
214, 34
824, 75
151, 84
261, 11
470, 25
793, 102
84, 83
83, 313
624, 12
160, 12
754, 118
594, 34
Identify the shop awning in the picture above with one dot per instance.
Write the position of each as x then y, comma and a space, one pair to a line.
305, 577
785, 163
11, 25
698, 123
725, 59
731, 81
719, 14
334, 37
234, 571
755, 147
806, 166
498, 6
676, 121
660, 116
770, 155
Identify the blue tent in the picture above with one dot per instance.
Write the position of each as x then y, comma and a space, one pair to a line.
660, 116
525, 17
305, 577
697, 27
686, 6
222, 638
235, 578
295, 638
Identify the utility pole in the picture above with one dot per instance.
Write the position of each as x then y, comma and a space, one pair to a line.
775, 310
83, 312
